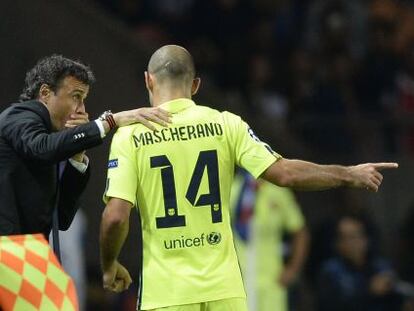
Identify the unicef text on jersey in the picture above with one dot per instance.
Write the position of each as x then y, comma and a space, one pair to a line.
212, 238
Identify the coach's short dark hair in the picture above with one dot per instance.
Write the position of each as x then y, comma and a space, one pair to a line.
52, 70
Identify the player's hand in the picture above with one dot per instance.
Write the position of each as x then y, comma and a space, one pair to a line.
368, 176
77, 118
144, 116
116, 278
287, 277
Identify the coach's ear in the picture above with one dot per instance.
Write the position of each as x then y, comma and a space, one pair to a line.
148, 81
44, 93
195, 86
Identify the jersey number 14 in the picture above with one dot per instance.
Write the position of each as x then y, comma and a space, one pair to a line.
206, 159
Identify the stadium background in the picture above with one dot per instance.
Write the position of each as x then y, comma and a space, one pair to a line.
326, 81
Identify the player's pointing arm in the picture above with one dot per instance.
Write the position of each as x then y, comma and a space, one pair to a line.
304, 175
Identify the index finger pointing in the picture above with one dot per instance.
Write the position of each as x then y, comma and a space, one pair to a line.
385, 165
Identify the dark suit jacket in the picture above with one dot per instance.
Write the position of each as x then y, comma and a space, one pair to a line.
29, 156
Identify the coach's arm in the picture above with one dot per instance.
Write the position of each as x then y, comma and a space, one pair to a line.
113, 232
303, 175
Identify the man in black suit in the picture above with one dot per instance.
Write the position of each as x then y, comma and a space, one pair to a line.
49, 126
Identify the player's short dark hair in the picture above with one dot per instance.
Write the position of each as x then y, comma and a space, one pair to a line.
52, 70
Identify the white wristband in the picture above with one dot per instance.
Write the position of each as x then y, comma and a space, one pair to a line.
101, 127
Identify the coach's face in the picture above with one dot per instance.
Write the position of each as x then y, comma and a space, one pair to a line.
65, 102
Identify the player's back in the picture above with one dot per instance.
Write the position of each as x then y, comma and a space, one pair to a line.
183, 175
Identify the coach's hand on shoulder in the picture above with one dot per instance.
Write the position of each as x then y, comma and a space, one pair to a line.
144, 116
367, 176
116, 278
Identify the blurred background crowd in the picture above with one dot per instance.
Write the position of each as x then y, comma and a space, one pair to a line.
323, 80
334, 76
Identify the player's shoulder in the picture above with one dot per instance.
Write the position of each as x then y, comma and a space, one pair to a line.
125, 130
206, 109
225, 116
125, 133
131, 129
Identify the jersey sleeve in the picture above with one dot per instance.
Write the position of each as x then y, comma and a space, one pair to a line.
122, 175
250, 152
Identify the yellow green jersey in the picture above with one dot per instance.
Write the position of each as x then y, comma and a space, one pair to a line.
266, 212
179, 177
